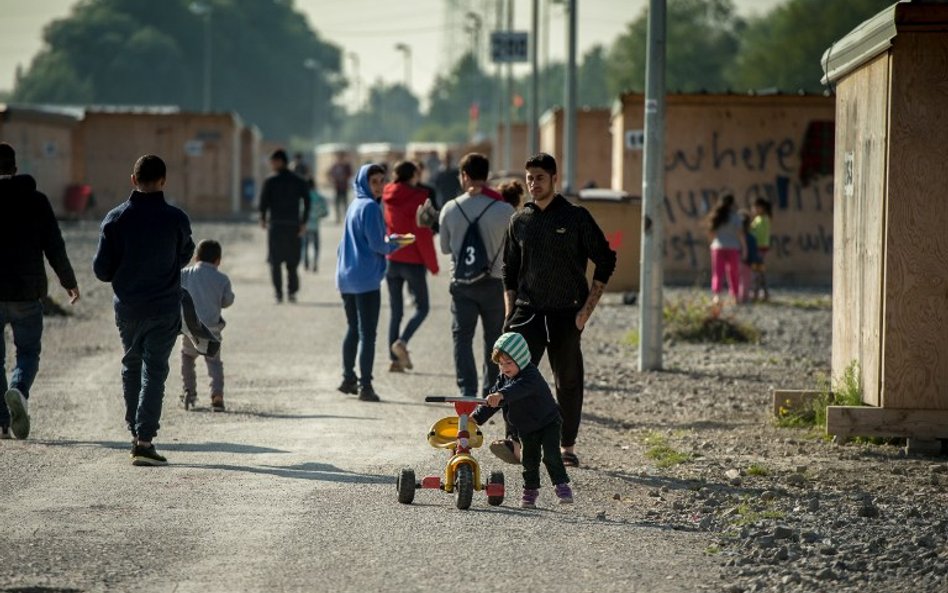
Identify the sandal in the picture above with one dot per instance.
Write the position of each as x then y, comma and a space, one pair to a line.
570, 459
503, 449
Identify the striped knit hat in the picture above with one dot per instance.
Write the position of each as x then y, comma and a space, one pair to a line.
513, 345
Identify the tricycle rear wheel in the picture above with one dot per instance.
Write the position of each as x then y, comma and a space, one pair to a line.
496, 478
405, 482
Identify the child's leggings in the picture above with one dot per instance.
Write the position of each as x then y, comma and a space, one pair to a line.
725, 262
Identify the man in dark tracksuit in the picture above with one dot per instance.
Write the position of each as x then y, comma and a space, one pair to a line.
28, 230
281, 197
546, 295
143, 244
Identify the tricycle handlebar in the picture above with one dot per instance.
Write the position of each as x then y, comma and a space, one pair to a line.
448, 399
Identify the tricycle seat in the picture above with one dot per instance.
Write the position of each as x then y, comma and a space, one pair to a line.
444, 433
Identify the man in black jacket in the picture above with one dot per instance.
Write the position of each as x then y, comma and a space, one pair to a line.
281, 199
546, 295
143, 244
28, 230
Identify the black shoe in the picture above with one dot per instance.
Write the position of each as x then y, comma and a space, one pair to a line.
291, 297
367, 394
5, 432
142, 455
279, 299
350, 387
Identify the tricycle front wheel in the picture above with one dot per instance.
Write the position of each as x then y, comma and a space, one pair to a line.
463, 486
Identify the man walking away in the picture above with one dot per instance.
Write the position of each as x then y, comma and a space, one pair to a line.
143, 244
546, 295
475, 293
28, 231
284, 210
339, 175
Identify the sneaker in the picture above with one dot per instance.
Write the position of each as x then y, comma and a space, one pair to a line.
349, 387
279, 299
395, 367
564, 493
5, 433
400, 350
367, 394
147, 456
188, 399
19, 415
529, 498
217, 403
291, 297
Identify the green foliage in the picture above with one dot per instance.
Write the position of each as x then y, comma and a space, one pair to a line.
662, 453
845, 391
128, 52
748, 514
783, 48
632, 338
392, 115
757, 469
701, 41
697, 319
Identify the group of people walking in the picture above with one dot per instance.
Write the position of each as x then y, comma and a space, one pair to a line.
522, 272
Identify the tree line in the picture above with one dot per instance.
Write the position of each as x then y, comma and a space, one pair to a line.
126, 52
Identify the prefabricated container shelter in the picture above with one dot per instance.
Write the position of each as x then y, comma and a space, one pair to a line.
890, 260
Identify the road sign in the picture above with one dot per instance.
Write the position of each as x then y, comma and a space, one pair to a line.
509, 46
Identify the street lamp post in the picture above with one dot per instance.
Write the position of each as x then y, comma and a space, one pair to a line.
357, 81
204, 10
312, 64
475, 30
406, 52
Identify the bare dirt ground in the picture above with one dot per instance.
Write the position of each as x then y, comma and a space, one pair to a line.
293, 488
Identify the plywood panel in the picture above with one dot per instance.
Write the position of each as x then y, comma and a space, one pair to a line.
861, 138
750, 147
915, 346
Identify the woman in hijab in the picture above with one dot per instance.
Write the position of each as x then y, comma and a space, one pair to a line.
360, 269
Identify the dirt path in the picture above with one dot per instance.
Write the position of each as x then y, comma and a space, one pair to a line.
293, 488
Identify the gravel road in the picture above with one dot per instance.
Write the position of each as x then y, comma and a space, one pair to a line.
293, 488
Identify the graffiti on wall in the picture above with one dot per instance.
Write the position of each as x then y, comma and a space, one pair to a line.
768, 168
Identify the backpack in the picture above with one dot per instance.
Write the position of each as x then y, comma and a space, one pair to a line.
472, 263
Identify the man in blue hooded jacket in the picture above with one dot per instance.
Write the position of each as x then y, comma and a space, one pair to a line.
360, 269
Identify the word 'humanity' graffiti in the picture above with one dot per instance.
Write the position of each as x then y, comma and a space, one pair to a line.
804, 211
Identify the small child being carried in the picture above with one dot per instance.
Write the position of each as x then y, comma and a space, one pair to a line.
523, 394
210, 289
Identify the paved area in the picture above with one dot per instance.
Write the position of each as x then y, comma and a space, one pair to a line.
293, 489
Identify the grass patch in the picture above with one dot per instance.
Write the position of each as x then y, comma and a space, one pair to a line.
663, 454
756, 469
845, 391
697, 319
632, 338
748, 515
712, 550
820, 303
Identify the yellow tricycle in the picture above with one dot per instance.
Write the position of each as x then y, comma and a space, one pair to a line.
462, 474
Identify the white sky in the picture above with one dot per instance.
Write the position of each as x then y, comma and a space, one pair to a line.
371, 29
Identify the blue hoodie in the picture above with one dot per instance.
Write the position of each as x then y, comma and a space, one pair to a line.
360, 263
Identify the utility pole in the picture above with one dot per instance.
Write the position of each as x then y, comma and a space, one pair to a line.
653, 193
569, 124
533, 140
508, 94
204, 10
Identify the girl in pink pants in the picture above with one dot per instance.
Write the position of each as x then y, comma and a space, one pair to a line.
727, 244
